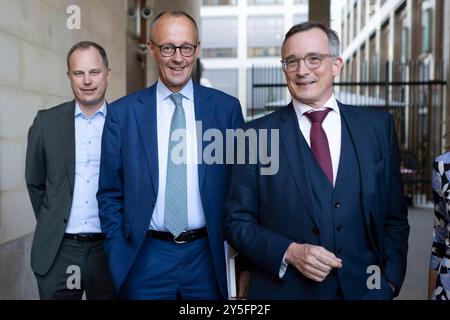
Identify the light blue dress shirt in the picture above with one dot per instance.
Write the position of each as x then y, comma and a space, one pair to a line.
164, 111
88, 137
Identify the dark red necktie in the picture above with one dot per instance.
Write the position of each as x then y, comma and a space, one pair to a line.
319, 142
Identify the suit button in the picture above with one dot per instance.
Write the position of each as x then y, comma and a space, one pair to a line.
339, 251
153, 203
65, 220
337, 205
339, 227
315, 230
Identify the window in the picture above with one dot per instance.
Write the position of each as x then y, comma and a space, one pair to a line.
224, 46
347, 40
401, 35
355, 21
384, 51
426, 30
363, 13
348, 71
299, 18
372, 7
373, 64
225, 80
268, 98
353, 72
265, 35
301, 1
363, 65
219, 2
264, 2
404, 50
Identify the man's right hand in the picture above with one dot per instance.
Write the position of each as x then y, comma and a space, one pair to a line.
313, 262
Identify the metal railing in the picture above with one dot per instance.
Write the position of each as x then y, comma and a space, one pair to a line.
411, 93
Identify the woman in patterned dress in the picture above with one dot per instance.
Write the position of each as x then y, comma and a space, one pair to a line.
439, 275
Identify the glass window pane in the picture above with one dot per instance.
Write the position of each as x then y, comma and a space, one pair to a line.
264, 2
300, 18
355, 20
404, 45
225, 80
268, 97
223, 46
426, 31
265, 35
372, 7
363, 13
219, 2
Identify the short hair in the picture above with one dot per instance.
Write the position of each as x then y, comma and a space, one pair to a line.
84, 45
173, 13
333, 39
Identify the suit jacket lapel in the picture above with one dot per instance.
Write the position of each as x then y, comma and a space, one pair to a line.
359, 133
290, 136
66, 130
145, 113
204, 116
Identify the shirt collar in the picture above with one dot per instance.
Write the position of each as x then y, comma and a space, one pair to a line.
101, 110
302, 108
162, 92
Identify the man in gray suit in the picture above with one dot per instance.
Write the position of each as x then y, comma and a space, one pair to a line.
62, 169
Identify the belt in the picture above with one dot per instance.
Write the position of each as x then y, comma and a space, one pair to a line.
184, 237
84, 236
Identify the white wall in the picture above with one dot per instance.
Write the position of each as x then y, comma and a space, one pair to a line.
34, 41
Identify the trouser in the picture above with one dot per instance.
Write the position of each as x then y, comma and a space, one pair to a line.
165, 270
79, 267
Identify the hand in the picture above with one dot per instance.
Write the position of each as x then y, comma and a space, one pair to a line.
243, 284
313, 262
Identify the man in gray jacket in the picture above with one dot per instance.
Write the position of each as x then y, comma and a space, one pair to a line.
62, 169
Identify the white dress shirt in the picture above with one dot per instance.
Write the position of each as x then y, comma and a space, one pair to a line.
164, 111
331, 125
88, 137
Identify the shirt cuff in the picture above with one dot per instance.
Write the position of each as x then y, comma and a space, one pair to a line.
283, 267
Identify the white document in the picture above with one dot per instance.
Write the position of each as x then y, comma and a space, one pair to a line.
230, 258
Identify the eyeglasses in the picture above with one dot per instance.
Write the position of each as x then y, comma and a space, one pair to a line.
312, 62
168, 50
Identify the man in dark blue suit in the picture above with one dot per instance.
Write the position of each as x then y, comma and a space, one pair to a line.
331, 223
161, 202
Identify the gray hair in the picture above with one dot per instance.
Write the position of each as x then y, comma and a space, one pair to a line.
333, 39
